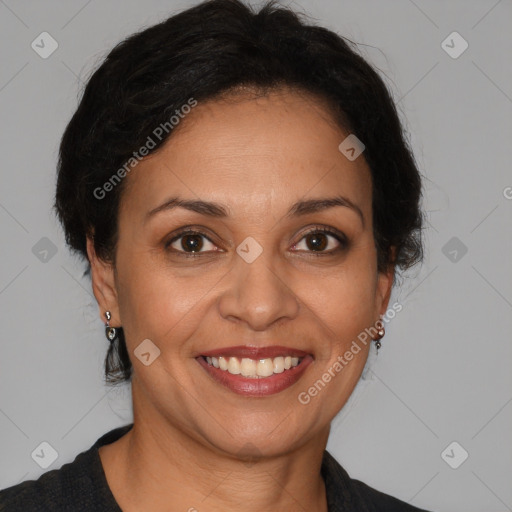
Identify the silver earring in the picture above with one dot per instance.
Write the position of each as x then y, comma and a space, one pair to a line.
110, 332
380, 334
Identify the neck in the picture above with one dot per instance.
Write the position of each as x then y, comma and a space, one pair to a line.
156, 463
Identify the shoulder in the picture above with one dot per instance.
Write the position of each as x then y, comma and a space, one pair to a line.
79, 485
54, 490
383, 502
347, 494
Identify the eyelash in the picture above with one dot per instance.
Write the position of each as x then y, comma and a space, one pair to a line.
339, 236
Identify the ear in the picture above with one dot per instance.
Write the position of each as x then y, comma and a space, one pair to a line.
103, 285
384, 286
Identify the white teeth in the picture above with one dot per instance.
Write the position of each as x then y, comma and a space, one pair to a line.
248, 367
265, 367
278, 364
252, 368
234, 366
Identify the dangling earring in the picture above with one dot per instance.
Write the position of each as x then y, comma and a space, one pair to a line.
380, 334
110, 332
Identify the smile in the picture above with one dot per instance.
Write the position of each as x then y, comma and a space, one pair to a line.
253, 371
252, 368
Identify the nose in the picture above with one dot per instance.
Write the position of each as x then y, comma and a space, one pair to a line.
257, 295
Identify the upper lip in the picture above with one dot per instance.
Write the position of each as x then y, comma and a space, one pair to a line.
254, 352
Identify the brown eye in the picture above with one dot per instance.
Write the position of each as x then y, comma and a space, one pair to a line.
317, 241
194, 243
322, 241
190, 242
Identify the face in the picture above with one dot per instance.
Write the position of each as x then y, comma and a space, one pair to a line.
266, 273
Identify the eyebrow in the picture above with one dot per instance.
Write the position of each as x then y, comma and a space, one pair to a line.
212, 209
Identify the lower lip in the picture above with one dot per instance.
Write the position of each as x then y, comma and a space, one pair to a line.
257, 387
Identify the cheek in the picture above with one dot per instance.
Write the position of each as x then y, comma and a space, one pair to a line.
344, 307
155, 302
345, 295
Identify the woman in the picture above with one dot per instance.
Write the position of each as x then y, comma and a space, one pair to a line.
242, 190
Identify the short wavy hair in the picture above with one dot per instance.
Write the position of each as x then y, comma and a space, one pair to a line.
204, 52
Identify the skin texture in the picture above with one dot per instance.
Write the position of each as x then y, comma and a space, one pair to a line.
257, 156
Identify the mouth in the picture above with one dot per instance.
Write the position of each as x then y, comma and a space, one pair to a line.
255, 371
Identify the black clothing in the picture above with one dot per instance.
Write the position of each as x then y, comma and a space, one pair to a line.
81, 486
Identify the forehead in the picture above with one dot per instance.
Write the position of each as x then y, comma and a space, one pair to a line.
251, 153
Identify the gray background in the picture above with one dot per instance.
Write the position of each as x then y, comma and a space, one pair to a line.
444, 372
